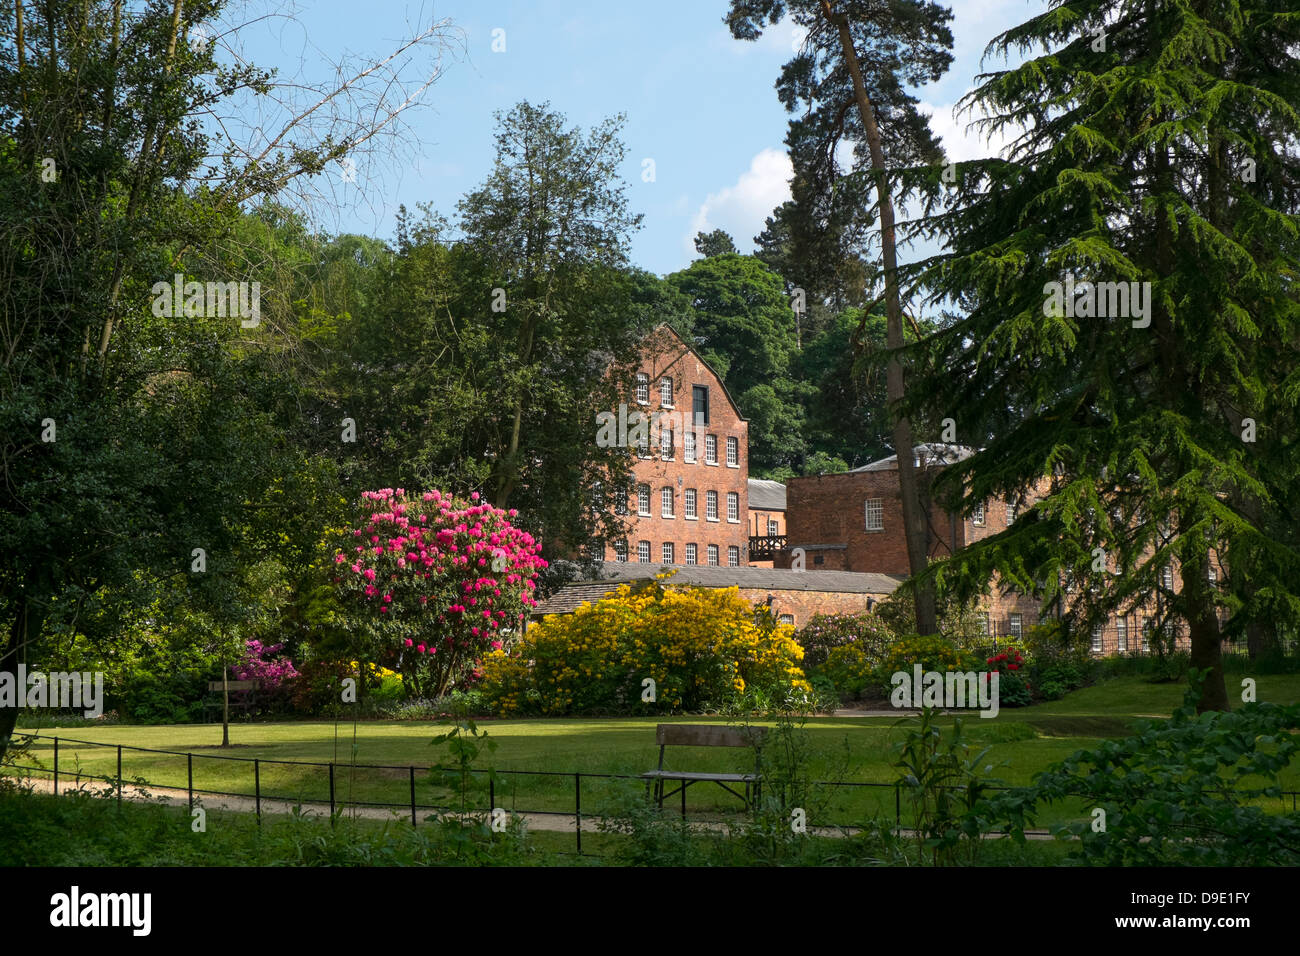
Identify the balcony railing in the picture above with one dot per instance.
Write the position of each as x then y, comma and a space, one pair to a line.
766, 547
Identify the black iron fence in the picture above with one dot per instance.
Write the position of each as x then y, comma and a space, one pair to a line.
331, 771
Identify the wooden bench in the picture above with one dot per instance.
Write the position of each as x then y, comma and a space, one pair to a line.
705, 735
243, 697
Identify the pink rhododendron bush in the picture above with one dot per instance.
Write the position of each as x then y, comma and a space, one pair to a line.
445, 580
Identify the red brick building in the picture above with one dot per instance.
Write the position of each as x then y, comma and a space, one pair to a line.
766, 521
691, 465
854, 522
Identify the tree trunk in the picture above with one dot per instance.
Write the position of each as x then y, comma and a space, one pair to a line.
1203, 625
225, 706
915, 526
23, 631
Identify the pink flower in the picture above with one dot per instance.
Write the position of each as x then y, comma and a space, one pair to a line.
408, 642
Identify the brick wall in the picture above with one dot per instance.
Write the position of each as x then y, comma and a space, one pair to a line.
802, 605
667, 356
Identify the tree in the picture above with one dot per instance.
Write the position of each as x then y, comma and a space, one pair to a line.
1132, 323
902, 40
132, 434
715, 243
744, 329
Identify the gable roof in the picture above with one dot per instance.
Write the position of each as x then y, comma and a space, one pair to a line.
934, 453
664, 326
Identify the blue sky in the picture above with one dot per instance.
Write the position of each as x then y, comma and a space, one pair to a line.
699, 104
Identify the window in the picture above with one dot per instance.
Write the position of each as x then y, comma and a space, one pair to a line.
642, 443
690, 503
620, 550
666, 444
643, 552
1167, 577
1013, 509
620, 501
1146, 636
977, 516
711, 505
643, 388
666, 391
713, 555
733, 506
875, 514
1211, 575
733, 556
700, 404
786, 619
668, 552
1015, 625
1096, 638
643, 500
819, 559
733, 452
666, 502
598, 496
1121, 635
688, 445
984, 623
692, 552
773, 526
710, 449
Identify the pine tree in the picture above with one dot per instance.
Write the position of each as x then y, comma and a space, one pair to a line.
1157, 147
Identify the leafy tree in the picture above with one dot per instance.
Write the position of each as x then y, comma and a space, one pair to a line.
849, 78
744, 329
1157, 146
134, 440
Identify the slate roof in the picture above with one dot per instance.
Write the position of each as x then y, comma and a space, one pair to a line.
935, 453
766, 495
614, 573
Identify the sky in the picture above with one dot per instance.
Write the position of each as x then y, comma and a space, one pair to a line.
704, 129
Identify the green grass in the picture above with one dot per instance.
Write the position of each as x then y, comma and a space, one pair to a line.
1023, 742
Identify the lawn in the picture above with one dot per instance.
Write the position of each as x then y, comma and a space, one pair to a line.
1023, 742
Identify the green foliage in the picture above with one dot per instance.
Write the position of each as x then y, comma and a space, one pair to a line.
941, 782
931, 651
1183, 792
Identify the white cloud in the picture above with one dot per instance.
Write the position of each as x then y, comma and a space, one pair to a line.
741, 209
963, 138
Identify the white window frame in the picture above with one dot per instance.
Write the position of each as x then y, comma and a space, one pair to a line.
733, 556
688, 446
692, 553
666, 552
733, 452
710, 506
667, 448
1121, 635
620, 551
710, 449
712, 552
977, 516
875, 507
1098, 631
1013, 510
690, 505
666, 501
733, 507
642, 388
786, 619
643, 500
1016, 625
668, 381
643, 552
773, 527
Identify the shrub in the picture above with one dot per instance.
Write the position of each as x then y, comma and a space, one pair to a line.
932, 652
703, 648
850, 670
825, 632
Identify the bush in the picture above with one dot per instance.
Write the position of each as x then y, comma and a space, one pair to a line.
825, 632
850, 670
932, 652
704, 648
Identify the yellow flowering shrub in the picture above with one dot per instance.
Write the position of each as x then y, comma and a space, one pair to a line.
702, 647
931, 651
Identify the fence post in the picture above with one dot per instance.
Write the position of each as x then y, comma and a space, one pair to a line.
257, 787
56, 766
119, 775
577, 807
189, 775
413, 820
331, 793
898, 809
492, 794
